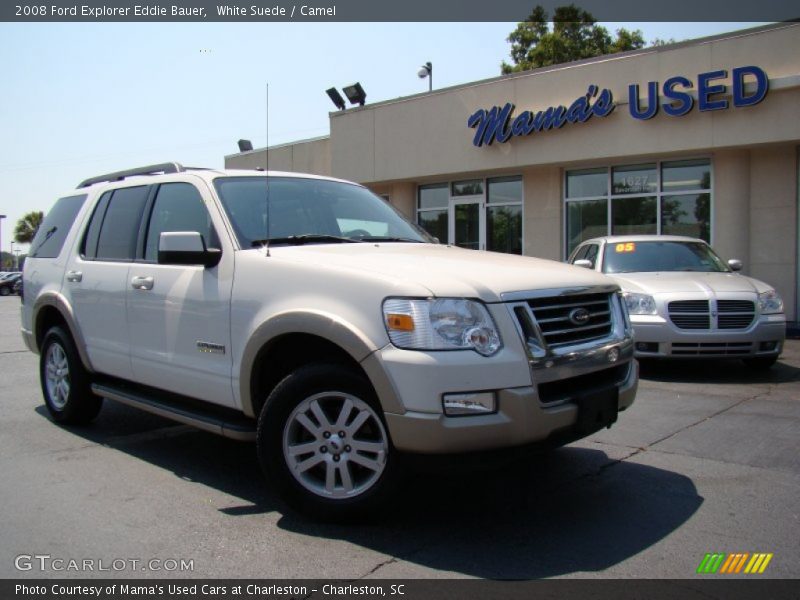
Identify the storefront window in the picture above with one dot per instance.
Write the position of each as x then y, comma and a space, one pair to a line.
670, 197
634, 179
476, 213
432, 210
586, 220
587, 182
634, 216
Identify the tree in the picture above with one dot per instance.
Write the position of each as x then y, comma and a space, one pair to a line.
575, 36
27, 227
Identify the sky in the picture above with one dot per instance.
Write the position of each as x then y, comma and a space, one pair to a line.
82, 99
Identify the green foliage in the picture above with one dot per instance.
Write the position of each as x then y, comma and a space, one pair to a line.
27, 227
575, 36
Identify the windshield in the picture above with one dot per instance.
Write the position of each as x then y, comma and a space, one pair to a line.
304, 211
634, 257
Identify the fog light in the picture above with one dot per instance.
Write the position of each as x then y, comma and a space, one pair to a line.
768, 346
647, 346
472, 403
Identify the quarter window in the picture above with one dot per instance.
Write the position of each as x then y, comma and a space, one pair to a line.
53, 231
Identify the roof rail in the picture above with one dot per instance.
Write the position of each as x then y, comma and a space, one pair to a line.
171, 167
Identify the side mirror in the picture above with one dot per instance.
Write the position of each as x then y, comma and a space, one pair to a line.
735, 264
186, 248
582, 262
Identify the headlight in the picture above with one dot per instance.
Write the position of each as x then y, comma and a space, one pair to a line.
639, 304
441, 324
770, 302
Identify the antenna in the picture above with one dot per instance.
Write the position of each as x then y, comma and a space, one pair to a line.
266, 180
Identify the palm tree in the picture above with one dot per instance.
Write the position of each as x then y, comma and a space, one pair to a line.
27, 227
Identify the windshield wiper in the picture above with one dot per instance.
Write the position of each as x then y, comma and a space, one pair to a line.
386, 238
299, 240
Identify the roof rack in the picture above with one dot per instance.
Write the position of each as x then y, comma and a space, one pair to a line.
171, 167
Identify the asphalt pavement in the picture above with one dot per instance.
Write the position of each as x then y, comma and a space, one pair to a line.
706, 460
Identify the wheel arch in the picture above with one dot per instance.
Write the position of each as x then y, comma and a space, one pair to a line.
293, 339
51, 310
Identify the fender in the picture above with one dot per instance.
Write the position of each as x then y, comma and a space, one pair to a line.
318, 323
59, 302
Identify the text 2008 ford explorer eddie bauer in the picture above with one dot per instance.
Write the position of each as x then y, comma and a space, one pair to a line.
307, 314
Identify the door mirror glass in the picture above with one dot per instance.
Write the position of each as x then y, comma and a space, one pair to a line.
186, 248
582, 262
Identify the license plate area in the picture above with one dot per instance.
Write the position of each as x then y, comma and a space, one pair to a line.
597, 410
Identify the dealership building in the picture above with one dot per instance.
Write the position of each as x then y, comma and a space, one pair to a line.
698, 138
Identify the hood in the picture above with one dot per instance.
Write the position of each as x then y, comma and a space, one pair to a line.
683, 281
444, 270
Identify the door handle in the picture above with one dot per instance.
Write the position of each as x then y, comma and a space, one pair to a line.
74, 276
142, 283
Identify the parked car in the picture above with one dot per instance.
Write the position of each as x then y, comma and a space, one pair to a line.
18, 287
7, 283
685, 301
307, 314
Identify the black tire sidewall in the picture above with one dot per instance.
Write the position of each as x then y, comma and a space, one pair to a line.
81, 405
293, 389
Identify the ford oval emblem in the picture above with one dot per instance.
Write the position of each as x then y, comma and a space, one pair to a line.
579, 316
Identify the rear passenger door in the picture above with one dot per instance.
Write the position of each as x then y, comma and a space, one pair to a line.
96, 278
179, 315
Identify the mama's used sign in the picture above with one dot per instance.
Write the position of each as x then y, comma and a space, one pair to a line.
499, 124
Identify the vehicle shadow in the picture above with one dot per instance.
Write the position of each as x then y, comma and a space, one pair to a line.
572, 510
716, 371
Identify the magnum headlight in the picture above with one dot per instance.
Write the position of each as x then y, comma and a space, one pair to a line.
639, 304
441, 324
770, 302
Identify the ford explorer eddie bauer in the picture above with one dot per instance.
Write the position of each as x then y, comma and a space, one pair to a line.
307, 314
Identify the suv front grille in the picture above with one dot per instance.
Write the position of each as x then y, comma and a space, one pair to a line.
555, 317
696, 314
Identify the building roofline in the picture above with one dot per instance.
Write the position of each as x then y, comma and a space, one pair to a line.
578, 63
279, 146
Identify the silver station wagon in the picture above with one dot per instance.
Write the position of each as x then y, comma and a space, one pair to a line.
685, 301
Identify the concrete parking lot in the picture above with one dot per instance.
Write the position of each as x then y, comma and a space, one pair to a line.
707, 460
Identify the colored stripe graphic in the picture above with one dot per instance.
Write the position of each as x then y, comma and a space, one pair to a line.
711, 563
759, 562
734, 563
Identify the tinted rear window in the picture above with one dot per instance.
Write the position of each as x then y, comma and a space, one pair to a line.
53, 231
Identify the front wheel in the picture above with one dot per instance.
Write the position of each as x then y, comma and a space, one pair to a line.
323, 444
65, 382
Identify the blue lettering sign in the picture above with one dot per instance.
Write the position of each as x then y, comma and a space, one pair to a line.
704, 91
684, 101
652, 101
762, 85
493, 125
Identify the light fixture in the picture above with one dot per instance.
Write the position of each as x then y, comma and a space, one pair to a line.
336, 98
426, 70
245, 145
355, 93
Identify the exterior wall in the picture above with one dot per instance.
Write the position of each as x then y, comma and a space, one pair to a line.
402, 195
428, 135
310, 156
543, 231
773, 220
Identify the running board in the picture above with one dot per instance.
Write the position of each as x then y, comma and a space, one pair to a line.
237, 430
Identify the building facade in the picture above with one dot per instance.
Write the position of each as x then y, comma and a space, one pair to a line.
700, 138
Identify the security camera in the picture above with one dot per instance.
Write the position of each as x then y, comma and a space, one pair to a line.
422, 73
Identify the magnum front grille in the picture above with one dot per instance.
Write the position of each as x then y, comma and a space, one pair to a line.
570, 320
735, 314
697, 314
711, 349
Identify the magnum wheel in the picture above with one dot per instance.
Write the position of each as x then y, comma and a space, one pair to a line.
323, 444
65, 383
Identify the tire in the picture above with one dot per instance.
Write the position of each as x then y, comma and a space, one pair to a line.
5, 291
760, 363
324, 446
65, 382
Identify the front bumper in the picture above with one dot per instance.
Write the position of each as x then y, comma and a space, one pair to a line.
658, 338
525, 414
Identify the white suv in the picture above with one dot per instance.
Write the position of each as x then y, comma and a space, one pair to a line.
307, 314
